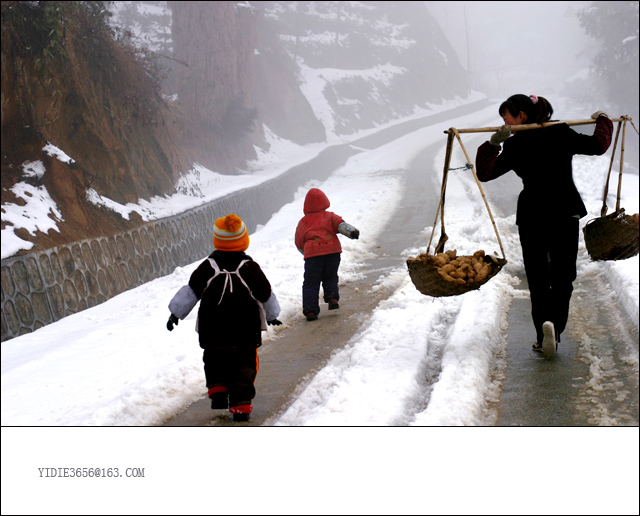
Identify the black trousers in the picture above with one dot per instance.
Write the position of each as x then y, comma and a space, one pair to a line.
320, 270
550, 251
235, 369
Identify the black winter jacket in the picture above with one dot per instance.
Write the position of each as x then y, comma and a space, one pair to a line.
542, 159
229, 314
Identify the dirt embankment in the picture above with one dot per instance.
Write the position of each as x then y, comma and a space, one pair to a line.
87, 94
66, 80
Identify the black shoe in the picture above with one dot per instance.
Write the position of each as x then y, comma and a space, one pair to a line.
220, 400
241, 417
311, 316
333, 304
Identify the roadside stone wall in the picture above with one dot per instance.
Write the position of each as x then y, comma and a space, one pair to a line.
43, 287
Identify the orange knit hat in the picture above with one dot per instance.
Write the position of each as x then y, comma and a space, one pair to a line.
230, 234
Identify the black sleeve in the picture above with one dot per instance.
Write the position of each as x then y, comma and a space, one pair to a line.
200, 277
256, 280
597, 144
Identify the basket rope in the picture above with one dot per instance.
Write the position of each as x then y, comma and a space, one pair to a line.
622, 119
440, 211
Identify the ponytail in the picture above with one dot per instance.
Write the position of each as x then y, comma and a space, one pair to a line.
537, 109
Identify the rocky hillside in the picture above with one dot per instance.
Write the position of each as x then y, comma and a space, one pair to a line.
68, 82
368, 62
195, 82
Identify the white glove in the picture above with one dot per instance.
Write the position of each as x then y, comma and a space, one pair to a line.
500, 135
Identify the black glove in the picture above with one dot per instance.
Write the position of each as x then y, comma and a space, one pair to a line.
500, 135
172, 320
274, 322
355, 234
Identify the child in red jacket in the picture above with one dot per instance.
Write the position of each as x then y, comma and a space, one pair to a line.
236, 304
316, 238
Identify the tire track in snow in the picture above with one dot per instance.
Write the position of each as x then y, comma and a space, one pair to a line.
608, 344
431, 365
471, 367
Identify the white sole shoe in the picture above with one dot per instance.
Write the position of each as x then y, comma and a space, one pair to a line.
549, 341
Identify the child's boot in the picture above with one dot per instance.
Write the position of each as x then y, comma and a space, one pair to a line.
241, 410
219, 396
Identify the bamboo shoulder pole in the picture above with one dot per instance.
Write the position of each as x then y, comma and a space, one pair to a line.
527, 127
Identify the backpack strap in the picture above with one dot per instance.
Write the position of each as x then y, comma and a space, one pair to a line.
229, 283
227, 279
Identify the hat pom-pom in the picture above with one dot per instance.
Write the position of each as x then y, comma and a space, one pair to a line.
232, 223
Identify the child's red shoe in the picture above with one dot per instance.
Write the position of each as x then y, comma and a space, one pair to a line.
241, 412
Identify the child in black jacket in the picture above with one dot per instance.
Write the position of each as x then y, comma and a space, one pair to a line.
236, 304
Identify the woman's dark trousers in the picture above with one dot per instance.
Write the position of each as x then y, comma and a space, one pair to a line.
550, 251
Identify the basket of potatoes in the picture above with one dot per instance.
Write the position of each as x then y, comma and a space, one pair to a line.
447, 274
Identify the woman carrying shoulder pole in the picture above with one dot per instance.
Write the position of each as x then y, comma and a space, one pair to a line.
549, 206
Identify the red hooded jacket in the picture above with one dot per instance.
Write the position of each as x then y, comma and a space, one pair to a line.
316, 233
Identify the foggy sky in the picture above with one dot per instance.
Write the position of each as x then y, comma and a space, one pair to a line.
516, 47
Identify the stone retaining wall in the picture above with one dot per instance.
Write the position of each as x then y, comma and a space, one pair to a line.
43, 287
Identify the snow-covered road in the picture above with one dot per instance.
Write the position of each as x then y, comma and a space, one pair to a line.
115, 364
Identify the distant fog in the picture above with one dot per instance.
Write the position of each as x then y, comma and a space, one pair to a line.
516, 47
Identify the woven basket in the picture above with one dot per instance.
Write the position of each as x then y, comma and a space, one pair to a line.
428, 281
612, 237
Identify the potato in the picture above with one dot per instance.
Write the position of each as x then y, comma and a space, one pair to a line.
460, 270
440, 261
448, 268
450, 279
484, 272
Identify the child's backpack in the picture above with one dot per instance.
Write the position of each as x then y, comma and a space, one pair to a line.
228, 288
